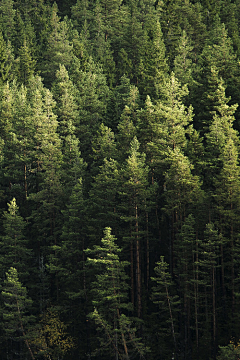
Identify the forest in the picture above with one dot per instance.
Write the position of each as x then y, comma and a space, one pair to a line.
119, 179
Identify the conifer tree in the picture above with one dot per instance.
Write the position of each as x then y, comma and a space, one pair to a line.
92, 103
132, 44
16, 312
103, 146
168, 302
153, 68
171, 122
73, 238
81, 14
110, 300
6, 61
59, 48
135, 195
182, 193
14, 250
7, 19
65, 94
47, 199
183, 15
117, 100
221, 128
183, 62
208, 264
17, 131
103, 199
26, 64
186, 253
126, 129
217, 56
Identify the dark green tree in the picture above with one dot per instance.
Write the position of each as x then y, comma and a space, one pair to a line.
110, 300
7, 19
59, 49
164, 295
16, 312
14, 245
135, 200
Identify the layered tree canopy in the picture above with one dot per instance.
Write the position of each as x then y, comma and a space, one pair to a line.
119, 179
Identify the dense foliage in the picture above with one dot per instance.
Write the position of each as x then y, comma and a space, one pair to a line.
119, 179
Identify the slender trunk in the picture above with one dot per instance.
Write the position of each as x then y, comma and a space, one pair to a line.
132, 272
122, 333
116, 339
232, 270
196, 295
138, 271
222, 273
148, 262
23, 332
214, 309
123, 339
171, 317
110, 339
25, 180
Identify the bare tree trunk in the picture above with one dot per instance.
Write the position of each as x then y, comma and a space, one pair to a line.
23, 332
138, 271
148, 262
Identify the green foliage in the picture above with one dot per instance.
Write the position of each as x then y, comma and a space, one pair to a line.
59, 49
110, 300
17, 305
52, 340
14, 249
229, 352
134, 126
168, 305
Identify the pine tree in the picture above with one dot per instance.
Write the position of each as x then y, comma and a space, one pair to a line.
47, 199
26, 64
92, 102
103, 199
65, 94
103, 147
14, 250
183, 62
81, 14
73, 242
153, 68
7, 19
6, 61
186, 253
170, 124
208, 264
221, 128
168, 302
117, 100
59, 48
182, 193
126, 129
135, 193
183, 15
110, 299
18, 132
16, 318
218, 61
